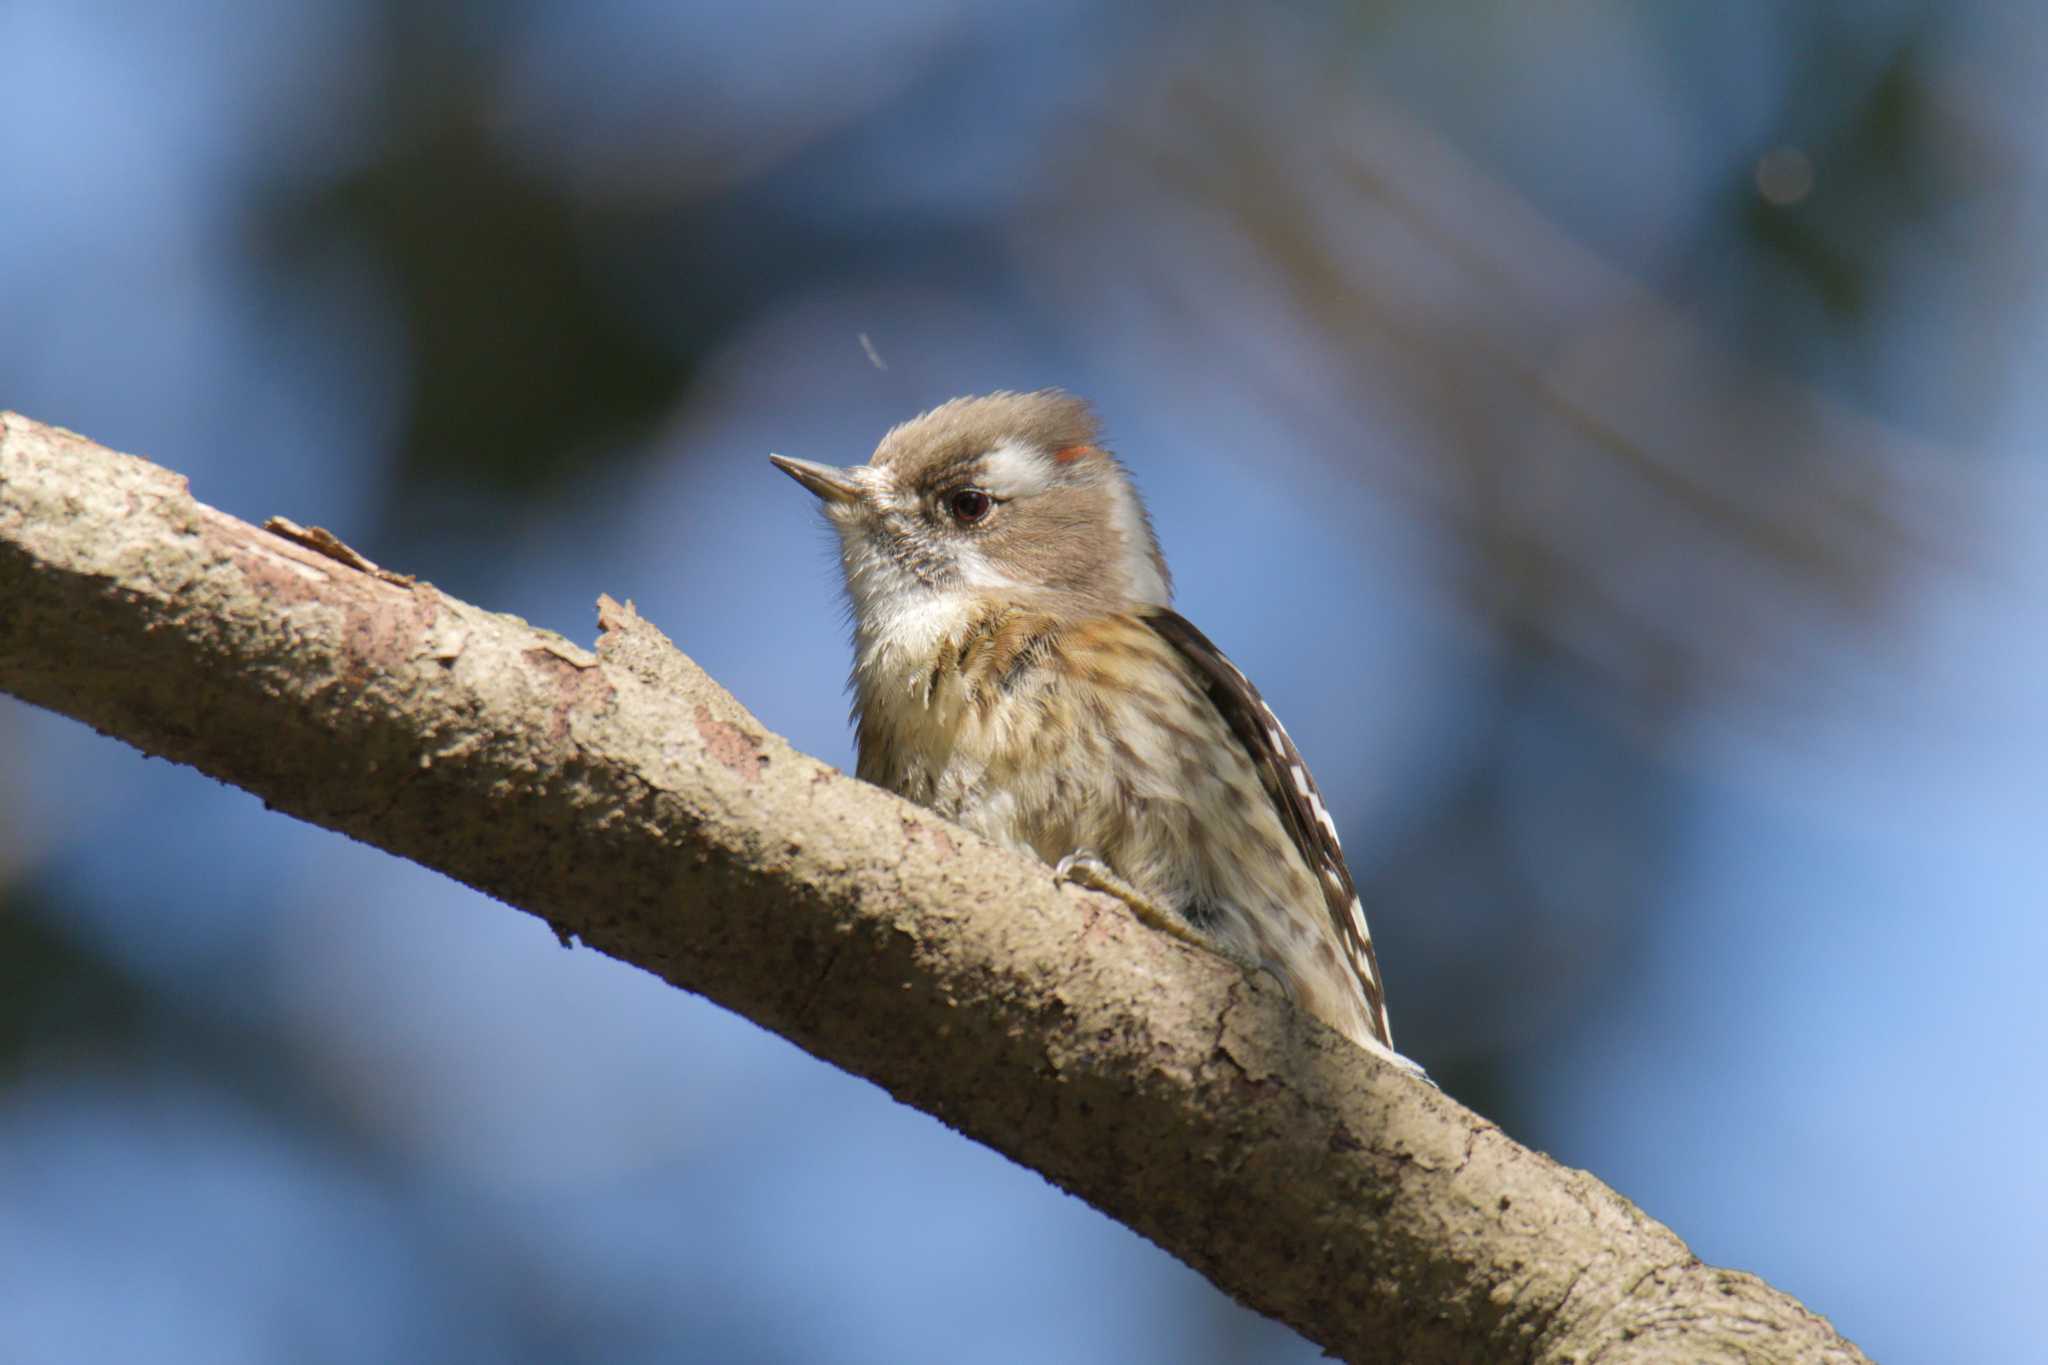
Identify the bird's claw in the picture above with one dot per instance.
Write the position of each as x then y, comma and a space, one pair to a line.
1085, 868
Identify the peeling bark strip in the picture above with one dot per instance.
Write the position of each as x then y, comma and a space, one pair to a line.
627, 799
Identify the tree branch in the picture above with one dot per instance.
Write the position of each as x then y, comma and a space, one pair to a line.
626, 799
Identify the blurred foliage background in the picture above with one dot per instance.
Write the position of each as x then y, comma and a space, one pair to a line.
1606, 431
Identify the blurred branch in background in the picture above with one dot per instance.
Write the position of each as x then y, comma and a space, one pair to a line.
1642, 516
559, 285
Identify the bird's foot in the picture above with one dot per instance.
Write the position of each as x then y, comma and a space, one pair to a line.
1084, 867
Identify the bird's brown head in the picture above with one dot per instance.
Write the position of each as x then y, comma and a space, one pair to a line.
1010, 495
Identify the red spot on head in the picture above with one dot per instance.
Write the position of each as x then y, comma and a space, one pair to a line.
1073, 453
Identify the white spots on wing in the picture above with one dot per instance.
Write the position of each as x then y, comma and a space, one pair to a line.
1315, 801
1306, 785
1313, 925
1358, 921
1361, 965
1300, 775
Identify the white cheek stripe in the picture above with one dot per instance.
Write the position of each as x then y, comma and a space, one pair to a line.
976, 572
1139, 567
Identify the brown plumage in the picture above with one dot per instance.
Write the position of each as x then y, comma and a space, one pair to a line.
1018, 668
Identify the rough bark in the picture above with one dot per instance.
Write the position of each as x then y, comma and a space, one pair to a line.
626, 799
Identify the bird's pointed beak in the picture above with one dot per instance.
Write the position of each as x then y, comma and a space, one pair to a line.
830, 484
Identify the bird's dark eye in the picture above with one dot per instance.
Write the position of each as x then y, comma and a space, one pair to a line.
969, 505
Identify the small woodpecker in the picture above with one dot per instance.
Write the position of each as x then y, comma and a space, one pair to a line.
1018, 669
